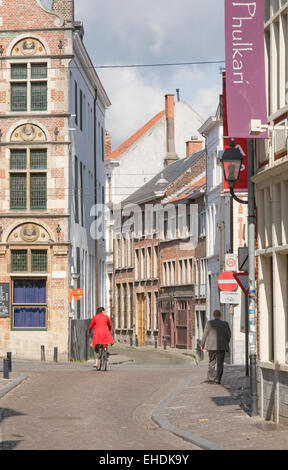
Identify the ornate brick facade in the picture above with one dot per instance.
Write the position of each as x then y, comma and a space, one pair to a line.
33, 37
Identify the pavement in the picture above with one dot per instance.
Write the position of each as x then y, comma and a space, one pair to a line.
210, 416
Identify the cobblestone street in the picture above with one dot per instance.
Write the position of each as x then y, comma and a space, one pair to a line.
147, 400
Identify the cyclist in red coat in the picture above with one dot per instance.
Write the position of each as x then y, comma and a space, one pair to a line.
102, 328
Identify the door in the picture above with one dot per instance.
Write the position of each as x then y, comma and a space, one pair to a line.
140, 319
181, 325
167, 327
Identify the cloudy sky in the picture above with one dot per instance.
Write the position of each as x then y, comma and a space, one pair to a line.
121, 32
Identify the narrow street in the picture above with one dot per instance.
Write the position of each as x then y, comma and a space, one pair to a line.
73, 407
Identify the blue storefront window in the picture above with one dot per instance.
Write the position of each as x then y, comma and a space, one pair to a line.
29, 294
29, 317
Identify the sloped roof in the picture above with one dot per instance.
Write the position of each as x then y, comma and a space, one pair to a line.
195, 186
170, 174
129, 142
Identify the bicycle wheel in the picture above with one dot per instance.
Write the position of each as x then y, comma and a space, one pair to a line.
100, 358
105, 360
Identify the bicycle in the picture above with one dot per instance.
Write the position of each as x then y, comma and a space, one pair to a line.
103, 357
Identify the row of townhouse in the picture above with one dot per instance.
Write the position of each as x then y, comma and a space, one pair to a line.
161, 285
271, 193
147, 274
52, 172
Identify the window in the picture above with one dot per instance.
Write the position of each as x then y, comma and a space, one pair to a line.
34, 261
39, 261
81, 110
28, 87
202, 224
149, 310
131, 307
142, 264
125, 304
28, 179
118, 312
76, 102
155, 311
155, 262
19, 261
137, 265
148, 260
76, 190
29, 303
102, 144
81, 194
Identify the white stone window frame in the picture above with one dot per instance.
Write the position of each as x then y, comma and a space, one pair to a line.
29, 80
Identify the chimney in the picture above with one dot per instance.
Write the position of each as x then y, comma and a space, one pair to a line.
171, 155
66, 9
107, 144
193, 145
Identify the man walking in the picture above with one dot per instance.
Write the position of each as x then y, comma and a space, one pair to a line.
216, 336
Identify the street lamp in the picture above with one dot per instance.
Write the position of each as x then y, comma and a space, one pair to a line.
231, 162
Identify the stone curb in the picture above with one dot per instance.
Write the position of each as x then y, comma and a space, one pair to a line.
7, 388
159, 418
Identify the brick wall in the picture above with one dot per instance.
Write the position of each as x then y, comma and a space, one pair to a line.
65, 8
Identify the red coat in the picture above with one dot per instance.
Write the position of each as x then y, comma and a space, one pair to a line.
102, 327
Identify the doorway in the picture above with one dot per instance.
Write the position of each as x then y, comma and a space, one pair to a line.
140, 318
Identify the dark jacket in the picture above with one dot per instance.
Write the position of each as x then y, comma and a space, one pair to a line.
216, 335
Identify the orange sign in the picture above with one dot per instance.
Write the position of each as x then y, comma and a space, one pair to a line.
78, 294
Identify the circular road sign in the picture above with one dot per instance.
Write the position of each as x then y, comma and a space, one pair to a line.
227, 282
78, 294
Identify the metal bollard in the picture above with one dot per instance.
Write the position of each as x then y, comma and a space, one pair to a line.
131, 341
42, 353
165, 342
9, 357
155, 343
5, 368
136, 341
55, 354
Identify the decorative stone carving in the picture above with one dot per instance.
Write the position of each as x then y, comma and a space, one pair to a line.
29, 47
29, 233
28, 133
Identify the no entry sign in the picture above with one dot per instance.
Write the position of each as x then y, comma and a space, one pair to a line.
227, 282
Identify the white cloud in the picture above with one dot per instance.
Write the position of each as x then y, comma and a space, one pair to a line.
154, 31
207, 101
158, 39
134, 102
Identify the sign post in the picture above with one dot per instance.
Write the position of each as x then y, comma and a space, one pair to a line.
230, 262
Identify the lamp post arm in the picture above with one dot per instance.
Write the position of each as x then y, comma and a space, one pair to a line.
241, 201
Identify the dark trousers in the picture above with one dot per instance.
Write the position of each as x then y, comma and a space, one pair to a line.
216, 357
